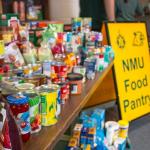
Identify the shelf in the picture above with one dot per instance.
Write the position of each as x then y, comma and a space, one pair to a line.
49, 136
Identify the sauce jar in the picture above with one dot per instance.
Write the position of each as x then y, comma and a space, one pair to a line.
124, 126
75, 80
20, 109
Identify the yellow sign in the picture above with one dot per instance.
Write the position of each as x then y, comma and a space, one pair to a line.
1, 47
132, 68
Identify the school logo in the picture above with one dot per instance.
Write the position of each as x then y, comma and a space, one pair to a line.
138, 39
121, 41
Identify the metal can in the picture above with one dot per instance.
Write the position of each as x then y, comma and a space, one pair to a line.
90, 64
57, 88
47, 68
64, 92
59, 69
34, 111
48, 105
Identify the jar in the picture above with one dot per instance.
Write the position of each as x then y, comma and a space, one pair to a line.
20, 109
34, 111
81, 70
75, 81
123, 131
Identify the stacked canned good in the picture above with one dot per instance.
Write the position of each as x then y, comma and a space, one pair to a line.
75, 57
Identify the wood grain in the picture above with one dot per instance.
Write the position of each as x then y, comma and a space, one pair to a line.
49, 136
104, 93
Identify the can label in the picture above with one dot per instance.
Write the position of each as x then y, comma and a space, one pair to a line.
47, 68
74, 88
35, 118
23, 122
43, 104
49, 108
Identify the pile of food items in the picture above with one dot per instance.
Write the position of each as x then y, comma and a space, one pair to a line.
93, 133
37, 81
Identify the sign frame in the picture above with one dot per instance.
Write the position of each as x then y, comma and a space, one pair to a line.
105, 25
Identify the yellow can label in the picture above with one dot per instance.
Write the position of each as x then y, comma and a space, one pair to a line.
49, 108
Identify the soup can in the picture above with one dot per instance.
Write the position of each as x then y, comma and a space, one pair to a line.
57, 88
34, 111
59, 68
64, 92
48, 105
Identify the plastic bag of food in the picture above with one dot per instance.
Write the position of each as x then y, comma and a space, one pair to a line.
29, 53
13, 55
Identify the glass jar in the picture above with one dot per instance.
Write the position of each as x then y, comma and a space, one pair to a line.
75, 80
20, 109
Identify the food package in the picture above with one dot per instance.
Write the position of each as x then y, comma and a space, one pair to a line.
9, 134
29, 53
44, 52
4, 131
13, 55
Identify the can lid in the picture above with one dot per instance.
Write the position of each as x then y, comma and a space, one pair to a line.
25, 86
74, 76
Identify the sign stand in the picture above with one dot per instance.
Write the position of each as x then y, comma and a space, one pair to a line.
131, 67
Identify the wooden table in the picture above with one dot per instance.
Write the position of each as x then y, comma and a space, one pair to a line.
49, 136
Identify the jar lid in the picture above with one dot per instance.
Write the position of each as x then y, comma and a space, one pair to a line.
74, 76
123, 123
17, 99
